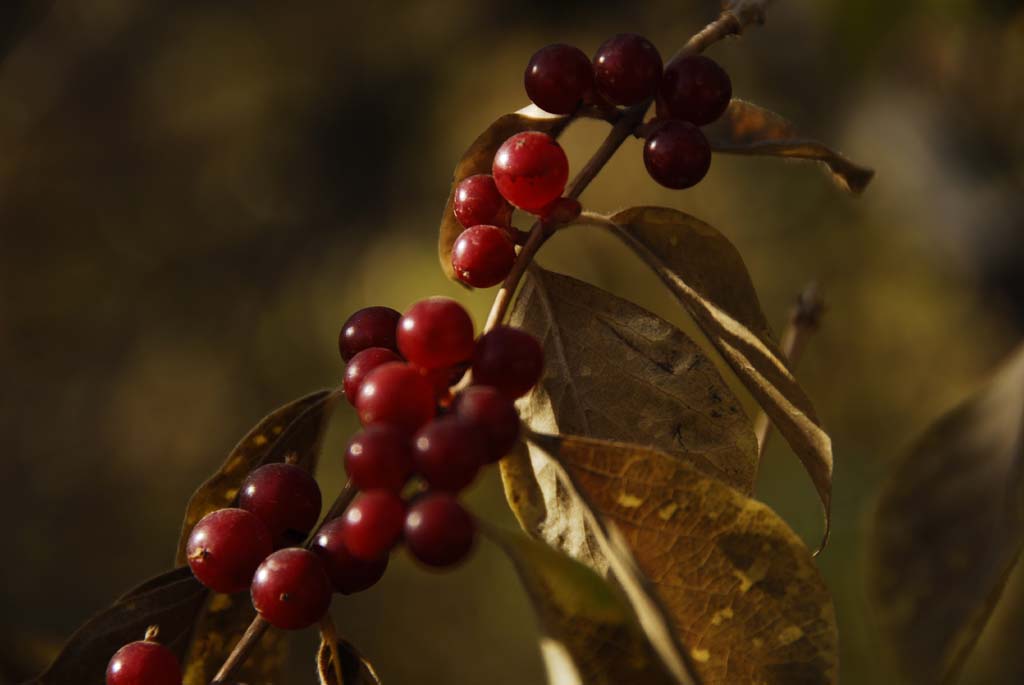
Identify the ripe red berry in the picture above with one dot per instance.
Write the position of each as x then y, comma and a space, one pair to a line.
494, 414
477, 201
397, 394
438, 531
379, 457
436, 332
225, 548
291, 589
448, 453
360, 366
531, 170
144, 663
695, 89
483, 256
677, 154
369, 327
373, 524
627, 69
348, 575
286, 498
557, 78
509, 359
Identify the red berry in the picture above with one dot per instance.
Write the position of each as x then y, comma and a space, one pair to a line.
695, 89
494, 414
291, 589
677, 154
373, 524
348, 574
557, 78
448, 453
509, 359
436, 332
531, 170
398, 394
438, 531
225, 548
370, 327
627, 69
483, 256
359, 367
286, 498
379, 457
477, 201
144, 663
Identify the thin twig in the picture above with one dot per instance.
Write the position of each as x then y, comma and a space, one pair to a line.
329, 634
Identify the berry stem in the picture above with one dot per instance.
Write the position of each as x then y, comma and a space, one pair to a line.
329, 634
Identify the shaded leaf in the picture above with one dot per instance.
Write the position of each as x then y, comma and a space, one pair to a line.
355, 669
949, 528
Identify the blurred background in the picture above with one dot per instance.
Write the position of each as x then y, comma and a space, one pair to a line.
194, 196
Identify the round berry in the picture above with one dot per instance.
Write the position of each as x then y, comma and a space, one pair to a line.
144, 663
225, 548
557, 78
531, 170
627, 69
370, 327
477, 201
398, 394
348, 575
286, 498
509, 359
494, 414
372, 525
438, 531
448, 453
379, 457
436, 332
291, 589
677, 155
483, 256
695, 89
359, 367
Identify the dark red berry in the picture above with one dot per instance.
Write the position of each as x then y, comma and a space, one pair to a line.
144, 663
398, 394
494, 414
379, 457
677, 154
438, 531
348, 575
483, 256
360, 366
531, 170
291, 589
370, 327
509, 359
557, 78
448, 452
436, 332
286, 498
477, 201
627, 69
373, 524
225, 548
695, 89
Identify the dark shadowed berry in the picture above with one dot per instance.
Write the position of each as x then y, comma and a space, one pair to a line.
438, 531
448, 452
397, 394
494, 414
509, 359
477, 201
360, 366
695, 89
557, 78
379, 457
372, 524
531, 170
225, 548
627, 69
677, 154
286, 498
483, 256
348, 574
436, 332
291, 589
144, 663
370, 327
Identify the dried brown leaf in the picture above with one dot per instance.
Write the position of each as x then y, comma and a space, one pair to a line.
355, 668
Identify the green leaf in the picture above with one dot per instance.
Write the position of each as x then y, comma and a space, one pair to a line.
355, 668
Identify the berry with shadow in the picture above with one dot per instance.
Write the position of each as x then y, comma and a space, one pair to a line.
379, 457
225, 548
291, 589
369, 327
286, 498
438, 531
348, 575
483, 256
531, 170
677, 154
627, 69
558, 77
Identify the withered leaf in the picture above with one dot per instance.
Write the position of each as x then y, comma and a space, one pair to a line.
948, 529
355, 668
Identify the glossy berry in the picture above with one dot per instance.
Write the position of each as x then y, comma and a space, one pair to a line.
508, 359
557, 77
627, 69
379, 457
436, 332
531, 170
291, 589
448, 452
494, 414
477, 201
483, 256
144, 663
677, 154
369, 327
397, 394
286, 498
348, 575
695, 89
360, 366
225, 548
438, 531
372, 524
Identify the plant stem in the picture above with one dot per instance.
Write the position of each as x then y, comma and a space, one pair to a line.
329, 634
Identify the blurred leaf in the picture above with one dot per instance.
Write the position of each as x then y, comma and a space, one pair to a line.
746, 129
478, 159
949, 528
614, 370
355, 669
